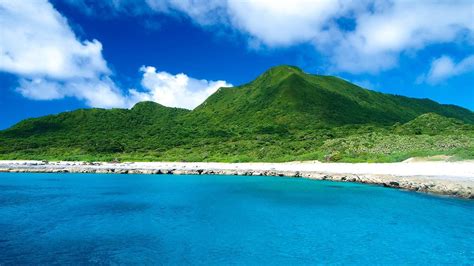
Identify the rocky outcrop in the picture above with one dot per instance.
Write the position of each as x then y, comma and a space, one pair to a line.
459, 187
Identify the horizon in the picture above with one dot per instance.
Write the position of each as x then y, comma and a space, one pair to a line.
113, 54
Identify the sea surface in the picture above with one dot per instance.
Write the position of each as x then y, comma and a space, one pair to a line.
208, 220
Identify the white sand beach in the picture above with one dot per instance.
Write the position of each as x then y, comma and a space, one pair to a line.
439, 177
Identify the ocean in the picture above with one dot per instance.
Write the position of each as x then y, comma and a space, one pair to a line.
221, 220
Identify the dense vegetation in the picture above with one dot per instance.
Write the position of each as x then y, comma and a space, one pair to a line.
283, 115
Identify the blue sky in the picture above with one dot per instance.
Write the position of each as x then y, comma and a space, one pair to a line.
80, 54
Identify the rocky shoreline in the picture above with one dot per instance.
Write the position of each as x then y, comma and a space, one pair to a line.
443, 178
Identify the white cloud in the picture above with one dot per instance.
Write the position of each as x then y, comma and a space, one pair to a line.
177, 90
403, 26
444, 68
95, 92
36, 40
282, 23
381, 32
38, 45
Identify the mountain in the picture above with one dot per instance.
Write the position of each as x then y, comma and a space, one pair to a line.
286, 95
284, 114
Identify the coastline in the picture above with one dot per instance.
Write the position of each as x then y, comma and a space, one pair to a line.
436, 177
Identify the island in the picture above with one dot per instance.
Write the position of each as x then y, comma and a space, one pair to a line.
286, 122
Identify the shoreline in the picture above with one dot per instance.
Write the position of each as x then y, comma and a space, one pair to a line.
437, 177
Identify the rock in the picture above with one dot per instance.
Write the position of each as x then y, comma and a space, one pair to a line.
456, 187
394, 184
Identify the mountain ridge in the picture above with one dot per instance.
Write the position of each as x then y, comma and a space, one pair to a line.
330, 93
284, 114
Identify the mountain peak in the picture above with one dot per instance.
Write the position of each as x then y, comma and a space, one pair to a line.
147, 104
276, 74
286, 94
283, 69
283, 114
154, 107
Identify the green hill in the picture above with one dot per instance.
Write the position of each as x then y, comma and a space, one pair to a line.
433, 124
284, 114
286, 95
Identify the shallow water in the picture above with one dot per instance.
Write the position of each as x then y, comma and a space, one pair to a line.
172, 219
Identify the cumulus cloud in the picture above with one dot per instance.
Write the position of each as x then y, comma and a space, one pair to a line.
36, 40
378, 32
381, 30
177, 90
444, 68
282, 23
95, 92
404, 26
51, 62
38, 45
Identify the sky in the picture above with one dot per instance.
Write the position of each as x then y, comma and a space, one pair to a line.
61, 55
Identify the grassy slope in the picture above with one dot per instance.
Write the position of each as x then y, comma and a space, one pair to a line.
283, 115
286, 95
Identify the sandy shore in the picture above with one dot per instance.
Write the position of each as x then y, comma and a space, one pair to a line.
447, 178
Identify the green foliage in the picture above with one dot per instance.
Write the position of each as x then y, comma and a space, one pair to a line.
433, 124
283, 115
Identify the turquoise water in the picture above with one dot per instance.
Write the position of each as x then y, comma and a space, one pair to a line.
171, 219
